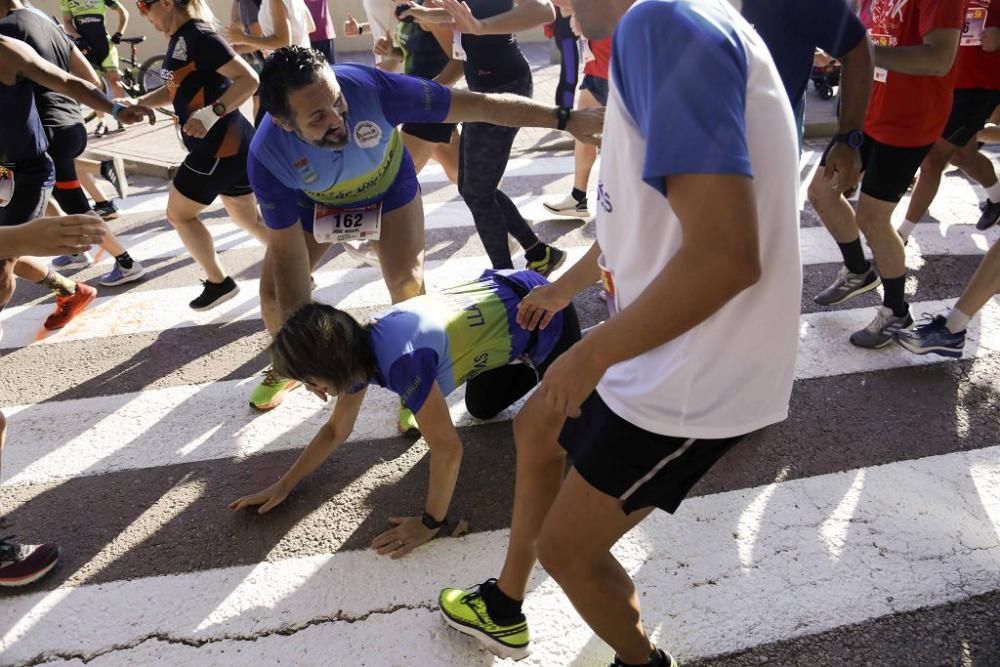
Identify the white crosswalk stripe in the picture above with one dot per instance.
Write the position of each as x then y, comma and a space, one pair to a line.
865, 542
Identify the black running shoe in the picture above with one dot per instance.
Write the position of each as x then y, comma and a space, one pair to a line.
107, 210
212, 294
991, 213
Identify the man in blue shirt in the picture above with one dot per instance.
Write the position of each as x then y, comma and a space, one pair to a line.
327, 165
792, 30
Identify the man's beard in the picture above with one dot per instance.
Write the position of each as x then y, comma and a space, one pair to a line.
331, 140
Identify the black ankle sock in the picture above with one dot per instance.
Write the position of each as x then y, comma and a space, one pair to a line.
499, 606
579, 195
854, 256
98, 204
656, 659
536, 252
125, 260
894, 291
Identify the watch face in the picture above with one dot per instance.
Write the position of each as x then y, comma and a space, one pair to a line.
219, 108
855, 139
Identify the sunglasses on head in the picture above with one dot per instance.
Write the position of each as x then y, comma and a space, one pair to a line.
144, 5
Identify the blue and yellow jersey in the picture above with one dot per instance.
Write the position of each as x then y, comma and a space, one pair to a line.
284, 169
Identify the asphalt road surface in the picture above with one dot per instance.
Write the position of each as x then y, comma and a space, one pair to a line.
863, 530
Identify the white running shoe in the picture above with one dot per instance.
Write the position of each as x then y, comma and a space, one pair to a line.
567, 206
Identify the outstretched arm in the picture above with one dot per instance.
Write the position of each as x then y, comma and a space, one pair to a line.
446, 459
320, 448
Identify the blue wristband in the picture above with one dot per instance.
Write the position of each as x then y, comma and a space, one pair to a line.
116, 109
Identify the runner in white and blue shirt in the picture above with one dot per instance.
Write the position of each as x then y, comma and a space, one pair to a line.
697, 243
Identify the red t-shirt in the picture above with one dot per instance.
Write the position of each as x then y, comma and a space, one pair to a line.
978, 68
907, 110
601, 48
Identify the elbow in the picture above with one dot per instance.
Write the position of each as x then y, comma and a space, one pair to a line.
546, 12
745, 272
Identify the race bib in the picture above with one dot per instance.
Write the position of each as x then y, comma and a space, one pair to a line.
588, 55
457, 52
881, 73
975, 23
333, 225
6, 186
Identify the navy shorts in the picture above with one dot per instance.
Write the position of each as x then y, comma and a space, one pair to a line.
33, 181
400, 193
640, 468
597, 86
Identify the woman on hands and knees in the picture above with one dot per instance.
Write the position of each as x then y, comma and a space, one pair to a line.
422, 349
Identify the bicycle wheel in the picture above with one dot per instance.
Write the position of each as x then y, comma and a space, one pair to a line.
149, 74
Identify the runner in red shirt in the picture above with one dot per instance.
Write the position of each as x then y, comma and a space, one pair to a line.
593, 93
915, 46
977, 94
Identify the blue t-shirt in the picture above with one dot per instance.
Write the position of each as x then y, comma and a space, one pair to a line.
454, 335
284, 169
792, 29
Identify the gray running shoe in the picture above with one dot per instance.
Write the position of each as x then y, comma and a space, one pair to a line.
879, 333
847, 286
991, 213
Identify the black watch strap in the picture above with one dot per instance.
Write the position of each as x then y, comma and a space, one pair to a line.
431, 522
562, 114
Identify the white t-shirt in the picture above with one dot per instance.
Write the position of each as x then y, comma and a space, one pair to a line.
298, 17
713, 104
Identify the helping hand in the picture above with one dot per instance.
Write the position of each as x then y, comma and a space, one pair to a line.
587, 125
843, 168
540, 306
135, 113
570, 380
64, 235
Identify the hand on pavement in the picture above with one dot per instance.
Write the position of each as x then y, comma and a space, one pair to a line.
408, 534
268, 499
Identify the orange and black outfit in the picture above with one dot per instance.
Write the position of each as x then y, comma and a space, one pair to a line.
217, 163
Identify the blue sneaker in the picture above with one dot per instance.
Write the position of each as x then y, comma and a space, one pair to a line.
932, 336
80, 260
120, 275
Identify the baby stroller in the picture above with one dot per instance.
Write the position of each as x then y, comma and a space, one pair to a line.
825, 77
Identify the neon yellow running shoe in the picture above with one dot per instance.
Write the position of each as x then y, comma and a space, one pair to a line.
554, 258
407, 422
466, 612
271, 391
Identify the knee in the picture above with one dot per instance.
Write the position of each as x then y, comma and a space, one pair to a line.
558, 555
819, 192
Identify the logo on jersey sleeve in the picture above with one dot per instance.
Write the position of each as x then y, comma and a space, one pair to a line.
367, 134
180, 51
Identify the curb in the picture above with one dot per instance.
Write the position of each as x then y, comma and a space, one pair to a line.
141, 166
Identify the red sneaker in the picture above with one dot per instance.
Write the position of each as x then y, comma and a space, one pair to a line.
22, 564
68, 307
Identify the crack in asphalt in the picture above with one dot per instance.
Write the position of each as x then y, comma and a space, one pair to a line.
284, 631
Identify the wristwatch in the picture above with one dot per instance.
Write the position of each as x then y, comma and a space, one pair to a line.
562, 114
219, 109
431, 522
853, 139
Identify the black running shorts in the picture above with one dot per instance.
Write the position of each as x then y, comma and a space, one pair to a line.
640, 468
970, 109
202, 178
887, 171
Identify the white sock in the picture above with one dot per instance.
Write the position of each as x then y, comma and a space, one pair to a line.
993, 192
957, 321
906, 228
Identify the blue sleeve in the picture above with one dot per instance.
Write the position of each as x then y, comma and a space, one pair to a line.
278, 203
832, 24
690, 107
412, 376
409, 99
